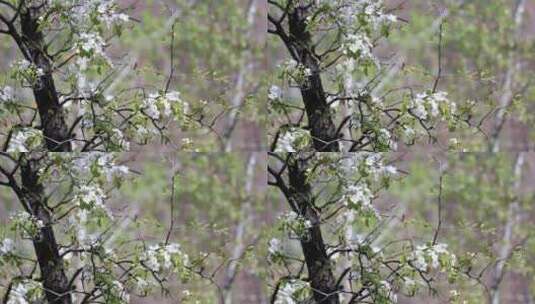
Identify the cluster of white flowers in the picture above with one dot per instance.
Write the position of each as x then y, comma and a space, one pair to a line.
358, 46
142, 286
293, 139
361, 175
358, 195
107, 12
24, 218
96, 163
25, 140
119, 292
187, 145
454, 295
90, 44
453, 144
432, 105
89, 197
274, 246
160, 106
385, 138
385, 289
295, 71
408, 133
355, 13
344, 71
367, 164
92, 173
25, 67
429, 257
293, 292
119, 139
21, 65
25, 292
161, 258
374, 10
359, 19
275, 93
295, 224
6, 93
350, 10
86, 12
6, 247
409, 283
28, 224
78, 221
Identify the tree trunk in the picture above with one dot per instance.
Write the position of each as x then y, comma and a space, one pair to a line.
55, 281
320, 120
507, 94
505, 249
246, 218
318, 263
52, 116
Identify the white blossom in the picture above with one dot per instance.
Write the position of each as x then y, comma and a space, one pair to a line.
432, 105
358, 45
25, 292
27, 223
295, 224
385, 138
274, 246
91, 43
21, 65
409, 133
104, 163
358, 195
6, 93
142, 285
427, 257
293, 292
107, 13
296, 71
292, 140
159, 106
119, 291
275, 93
6, 247
165, 257
25, 139
409, 283
386, 290
91, 197
119, 138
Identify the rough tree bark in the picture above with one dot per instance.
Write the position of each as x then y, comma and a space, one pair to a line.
299, 44
32, 195
32, 44
317, 261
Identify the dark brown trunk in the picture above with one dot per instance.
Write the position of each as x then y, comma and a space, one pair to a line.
55, 281
52, 116
318, 263
322, 127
